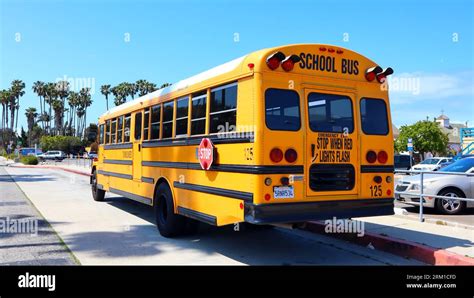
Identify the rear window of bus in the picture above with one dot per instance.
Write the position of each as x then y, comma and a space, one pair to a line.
330, 113
282, 109
373, 113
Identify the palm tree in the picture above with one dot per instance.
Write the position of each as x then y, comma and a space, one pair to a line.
120, 94
105, 90
73, 102
4, 99
62, 88
50, 95
165, 85
84, 102
31, 115
58, 108
17, 91
38, 88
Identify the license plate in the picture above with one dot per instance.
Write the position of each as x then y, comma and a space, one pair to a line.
283, 192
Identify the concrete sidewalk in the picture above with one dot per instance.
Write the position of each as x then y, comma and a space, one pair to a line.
427, 242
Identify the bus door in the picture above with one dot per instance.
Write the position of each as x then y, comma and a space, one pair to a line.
331, 162
137, 152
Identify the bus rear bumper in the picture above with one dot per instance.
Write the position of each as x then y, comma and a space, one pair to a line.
300, 212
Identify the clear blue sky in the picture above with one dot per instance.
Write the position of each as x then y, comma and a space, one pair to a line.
429, 42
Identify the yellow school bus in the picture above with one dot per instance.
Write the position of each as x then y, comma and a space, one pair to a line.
281, 135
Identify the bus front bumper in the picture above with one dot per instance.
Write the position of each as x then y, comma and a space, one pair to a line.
302, 211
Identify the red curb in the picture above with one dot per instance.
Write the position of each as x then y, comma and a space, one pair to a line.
400, 247
50, 167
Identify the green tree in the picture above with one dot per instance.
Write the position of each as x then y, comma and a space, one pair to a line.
105, 90
426, 135
38, 88
31, 116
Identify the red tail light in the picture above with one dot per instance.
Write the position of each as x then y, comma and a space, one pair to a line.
276, 155
382, 157
96, 159
371, 156
372, 72
274, 60
382, 75
289, 62
291, 155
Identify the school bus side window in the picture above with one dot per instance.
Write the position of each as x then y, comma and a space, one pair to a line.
182, 116
126, 130
107, 132
373, 113
101, 134
113, 131
330, 113
155, 122
146, 122
120, 129
138, 126
223, 108
282, 109
168, 119
198, 114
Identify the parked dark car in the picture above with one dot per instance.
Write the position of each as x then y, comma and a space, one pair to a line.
402, 162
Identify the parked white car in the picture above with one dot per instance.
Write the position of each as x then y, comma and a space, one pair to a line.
52, 155
443, 185
431, 164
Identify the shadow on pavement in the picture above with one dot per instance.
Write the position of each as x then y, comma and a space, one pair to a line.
25, 178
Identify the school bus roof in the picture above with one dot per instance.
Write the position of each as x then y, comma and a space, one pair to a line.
234, 70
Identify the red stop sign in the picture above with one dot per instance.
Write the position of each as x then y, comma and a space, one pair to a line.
206, 153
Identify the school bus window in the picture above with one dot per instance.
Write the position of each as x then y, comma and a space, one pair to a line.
330, 113
107, 132
120, 129
223, 108
373, 113
182, 116
126, 130
282, 109
155, 122
101, 134
168, 119
146, 122
198, 114
138, 126
114, 131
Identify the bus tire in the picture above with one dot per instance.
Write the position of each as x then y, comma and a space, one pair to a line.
169, 224
97, 194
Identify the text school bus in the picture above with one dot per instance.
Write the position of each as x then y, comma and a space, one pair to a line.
281, 135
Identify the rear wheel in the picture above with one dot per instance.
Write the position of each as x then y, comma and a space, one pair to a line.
97, 194
168, 223
451, 206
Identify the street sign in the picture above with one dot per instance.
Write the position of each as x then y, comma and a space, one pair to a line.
206, 153
410, 144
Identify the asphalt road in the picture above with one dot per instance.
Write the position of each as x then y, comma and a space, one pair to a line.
121, 231
26, 238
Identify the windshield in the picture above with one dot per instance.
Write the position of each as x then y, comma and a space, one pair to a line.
429, 161
460, 166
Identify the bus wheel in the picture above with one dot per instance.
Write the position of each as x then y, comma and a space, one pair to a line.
168, 223
97, 194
